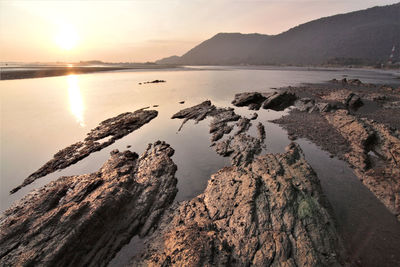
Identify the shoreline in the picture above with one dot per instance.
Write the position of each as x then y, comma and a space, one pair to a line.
42, 72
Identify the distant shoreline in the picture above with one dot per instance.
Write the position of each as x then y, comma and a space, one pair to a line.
61, 71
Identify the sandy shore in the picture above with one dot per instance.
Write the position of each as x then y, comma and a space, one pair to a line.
60, 71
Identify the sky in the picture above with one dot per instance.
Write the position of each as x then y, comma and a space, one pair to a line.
144, 30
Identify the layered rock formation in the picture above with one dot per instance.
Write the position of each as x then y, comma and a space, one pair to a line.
374, 154
84, 220
98, 138
271, 212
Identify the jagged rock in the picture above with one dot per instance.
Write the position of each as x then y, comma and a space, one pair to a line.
243, 125
155, 81
271, 213
111, 129
84, 220
261, 131
254, 116
346, 97
219, 124
251, 99
374, 154
279, 101
304, 104
242, 148
196, 113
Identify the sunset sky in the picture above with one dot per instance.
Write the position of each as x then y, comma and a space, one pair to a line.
144, 30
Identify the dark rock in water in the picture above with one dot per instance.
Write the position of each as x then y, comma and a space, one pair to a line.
261, 131
197, 113
241, 148
155, 81
84, 220
254, 116
243, 125
219, 124
279, 101
251, 99
221, 116
98, 138
270, 213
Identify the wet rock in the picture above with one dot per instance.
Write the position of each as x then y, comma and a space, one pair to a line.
261, 131
243, 125
380, 173
219, 124
241, 148
279, 101
251, 99
254, 116
98, 138
271, 213
84, 220
155, 81
196, 113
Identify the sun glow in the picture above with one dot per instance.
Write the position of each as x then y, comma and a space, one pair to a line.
67, 38
75, 99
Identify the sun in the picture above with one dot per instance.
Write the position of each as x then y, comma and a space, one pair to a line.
67, 38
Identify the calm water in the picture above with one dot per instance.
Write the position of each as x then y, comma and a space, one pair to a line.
41, 116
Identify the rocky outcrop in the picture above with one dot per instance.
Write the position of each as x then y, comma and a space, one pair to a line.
240, 146
270, 213
275, 101
98, 138
219, 124
84, 220
374, 154
346, 97
279, 101
253, 100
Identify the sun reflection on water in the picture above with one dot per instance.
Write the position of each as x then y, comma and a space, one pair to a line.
75, 99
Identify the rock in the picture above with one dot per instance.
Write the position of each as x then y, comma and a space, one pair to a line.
251, 99
304, 104
241, 148
84, 220
354, 101
270, 213
219, 124
98, 138
196, 113
243, 125
261, 131
254, 116
345, 97
380, 174
155, 81
279, 101
155, 106
181, 102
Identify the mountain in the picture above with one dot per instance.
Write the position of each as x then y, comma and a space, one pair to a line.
361, 37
